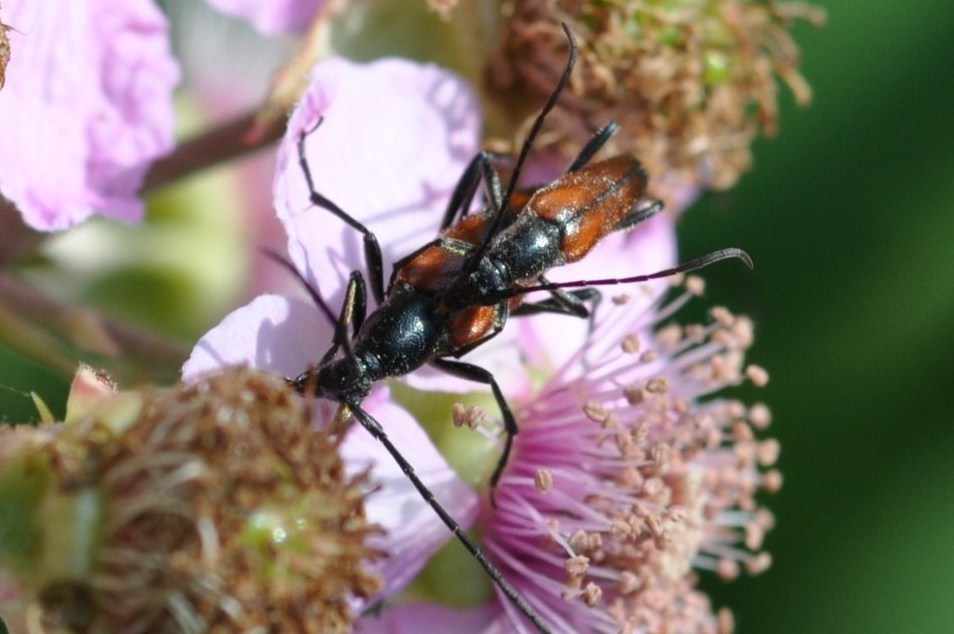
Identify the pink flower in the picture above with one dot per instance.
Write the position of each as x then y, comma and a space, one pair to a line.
272, 18
627, 476
86, 108
393, 140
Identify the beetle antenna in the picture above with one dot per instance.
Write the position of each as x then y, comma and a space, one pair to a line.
527, 146
309, 288
538, 122
692, 265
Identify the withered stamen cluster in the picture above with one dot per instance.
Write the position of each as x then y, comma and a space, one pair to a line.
691, 84
221, 508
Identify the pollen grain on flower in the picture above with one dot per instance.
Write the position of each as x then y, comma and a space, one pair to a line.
470, 417
652, 479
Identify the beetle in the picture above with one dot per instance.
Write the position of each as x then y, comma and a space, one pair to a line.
455, 292
479, 266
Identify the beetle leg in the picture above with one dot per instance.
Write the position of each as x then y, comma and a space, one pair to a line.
479, 170
372, 250
594, 145
562, 303
637, 215
355, 306
353, 311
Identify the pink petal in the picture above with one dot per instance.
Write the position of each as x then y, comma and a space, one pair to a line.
394, 140
274, 17
273, 332
86, 108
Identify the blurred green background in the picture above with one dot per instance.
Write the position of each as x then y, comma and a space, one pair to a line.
849, 215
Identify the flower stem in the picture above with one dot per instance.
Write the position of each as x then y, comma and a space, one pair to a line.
243, 135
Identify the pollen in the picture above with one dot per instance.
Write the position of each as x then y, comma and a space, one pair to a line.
695, 285
758, 375
543, 480
592, 594
630, 344
662, 489
577, 566
469, 417
760, 415
595, 412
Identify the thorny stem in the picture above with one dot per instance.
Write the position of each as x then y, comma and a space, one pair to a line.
91, 331
233, 139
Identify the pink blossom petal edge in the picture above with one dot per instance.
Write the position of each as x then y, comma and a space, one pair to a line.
393, 139
275, 17
285, 335
272, 332
86, 108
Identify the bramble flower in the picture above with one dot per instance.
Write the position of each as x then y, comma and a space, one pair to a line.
632, 476
215, 506
395, 174
86, 107
627, 476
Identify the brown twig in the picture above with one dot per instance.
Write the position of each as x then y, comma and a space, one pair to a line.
233, 139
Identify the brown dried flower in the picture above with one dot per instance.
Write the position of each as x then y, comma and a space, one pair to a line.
691, 84
213, 507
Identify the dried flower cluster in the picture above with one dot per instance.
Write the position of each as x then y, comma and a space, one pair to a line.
216, 507
691, 84
4, 52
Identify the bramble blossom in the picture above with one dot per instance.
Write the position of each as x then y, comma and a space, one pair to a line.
86, 108
366, 162
625, 478
395, 173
